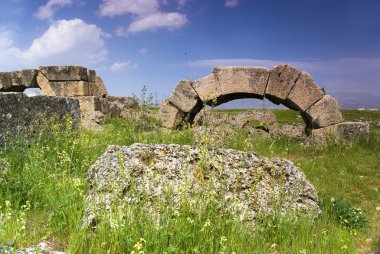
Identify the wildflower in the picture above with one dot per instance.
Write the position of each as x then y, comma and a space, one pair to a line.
344, 247
206, 225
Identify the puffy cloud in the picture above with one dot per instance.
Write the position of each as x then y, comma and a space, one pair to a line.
66, 42
170, 20
120, 7
121, 66
146, 15
5, 39
48, 10
231, 3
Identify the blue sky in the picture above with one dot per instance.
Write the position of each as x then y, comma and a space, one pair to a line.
131, 43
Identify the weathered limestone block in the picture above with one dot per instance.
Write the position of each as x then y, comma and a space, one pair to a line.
342, 131
70, 88
170, 116
97, 87
208, 89
43, 84
324, 113
18, 81
248, 184
65, 73
304, 93
281, 81
246, 80
264, 116
119, 106
24, 79
291, 131
91, 108
185, 98
5, 81
18, 112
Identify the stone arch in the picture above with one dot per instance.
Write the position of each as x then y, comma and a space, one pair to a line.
283, 84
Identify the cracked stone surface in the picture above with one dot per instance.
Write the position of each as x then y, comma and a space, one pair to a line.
246, 184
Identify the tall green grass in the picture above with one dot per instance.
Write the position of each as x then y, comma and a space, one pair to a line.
43, 188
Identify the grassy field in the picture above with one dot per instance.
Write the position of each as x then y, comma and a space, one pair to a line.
42, 192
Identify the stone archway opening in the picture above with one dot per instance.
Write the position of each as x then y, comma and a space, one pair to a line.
283, 85
32, 91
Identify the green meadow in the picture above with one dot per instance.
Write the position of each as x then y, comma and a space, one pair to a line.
43, 188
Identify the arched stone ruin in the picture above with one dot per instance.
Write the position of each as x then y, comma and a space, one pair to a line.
282, 84
76, 82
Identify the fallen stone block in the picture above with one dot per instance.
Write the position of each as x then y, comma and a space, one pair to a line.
342, 131
324, 113
119, 106
170, 116
266, 117
245, 185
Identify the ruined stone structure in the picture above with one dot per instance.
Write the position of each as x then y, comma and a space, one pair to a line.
70, 81
23, 115
282, 84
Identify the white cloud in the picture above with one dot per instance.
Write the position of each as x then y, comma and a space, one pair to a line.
143, 51
146, 15
121, 31
66, 42
231, 3
170, 20
5, 39
120, 7
48, 10
121, 66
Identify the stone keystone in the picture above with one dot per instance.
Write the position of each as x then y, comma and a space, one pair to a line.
281, 81
304, 93
65, 73
185, 97
247, 80
324, 113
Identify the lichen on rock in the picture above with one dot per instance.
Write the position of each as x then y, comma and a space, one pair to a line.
245, 184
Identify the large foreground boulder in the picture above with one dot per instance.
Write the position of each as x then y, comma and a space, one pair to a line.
19, 113
247, 184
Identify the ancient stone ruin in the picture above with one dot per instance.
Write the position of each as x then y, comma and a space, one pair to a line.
21, 115
75, 82
246, 183
282, 84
